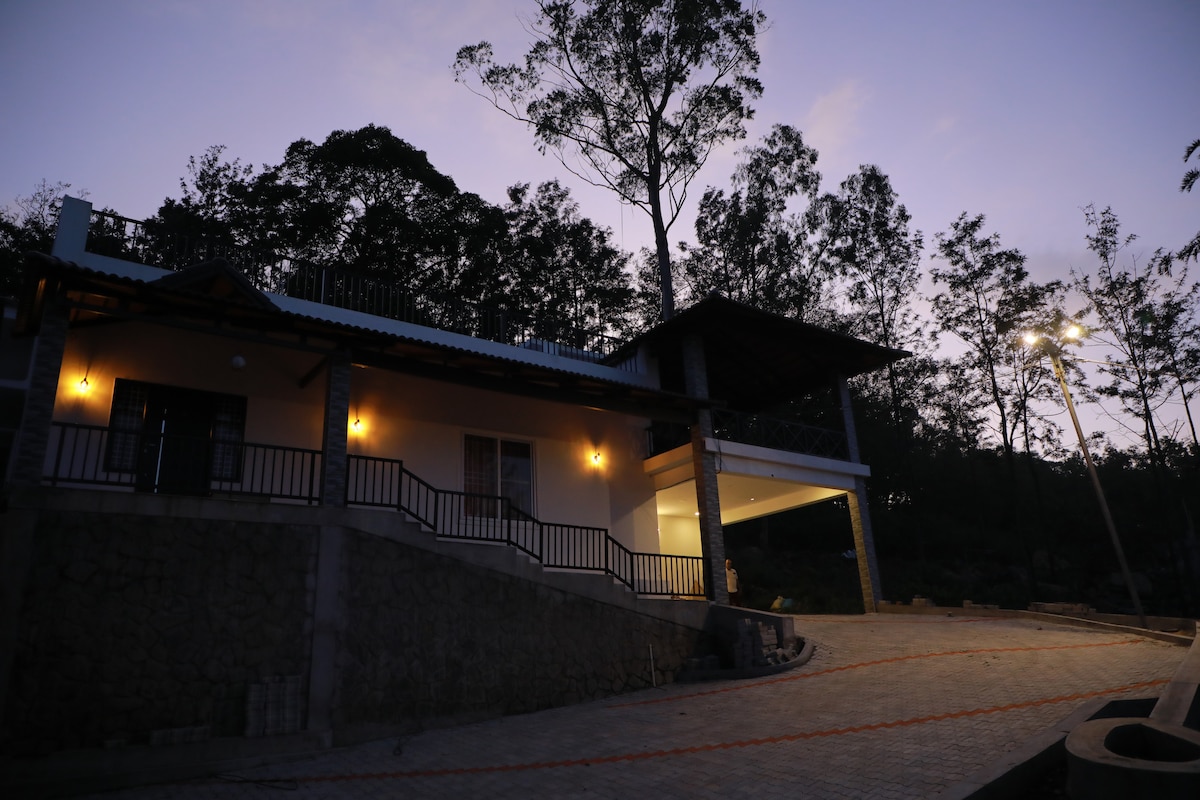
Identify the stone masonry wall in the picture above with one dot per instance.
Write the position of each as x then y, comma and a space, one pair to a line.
429, 638
164, 627
136, 624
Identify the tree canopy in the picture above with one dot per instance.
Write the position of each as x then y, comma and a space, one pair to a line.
632, 95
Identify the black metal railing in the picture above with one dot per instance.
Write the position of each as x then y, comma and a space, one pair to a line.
95, 455
83, 455
755, 429
122, 237
492, 518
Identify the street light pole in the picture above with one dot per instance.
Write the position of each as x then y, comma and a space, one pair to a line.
1087, 459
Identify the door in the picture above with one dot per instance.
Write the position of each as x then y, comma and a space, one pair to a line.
176, 437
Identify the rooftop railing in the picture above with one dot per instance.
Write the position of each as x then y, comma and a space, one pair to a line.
130, 239
756, 429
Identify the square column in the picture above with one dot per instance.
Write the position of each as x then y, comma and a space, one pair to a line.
860, 512
333, 438
704, 467
33, 436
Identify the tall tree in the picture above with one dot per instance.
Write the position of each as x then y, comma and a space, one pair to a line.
1191, 250
631, 95
986, 303
750, 242
563, 269
865, 239
1124, 297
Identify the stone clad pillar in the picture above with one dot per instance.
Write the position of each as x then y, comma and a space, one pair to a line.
333, 439
33, 436
704, 466
860, 513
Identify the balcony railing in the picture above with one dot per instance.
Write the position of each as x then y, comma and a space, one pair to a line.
492, 518
91, 455
755, 429
121, 237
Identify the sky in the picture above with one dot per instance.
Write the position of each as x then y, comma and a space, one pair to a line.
1023, 110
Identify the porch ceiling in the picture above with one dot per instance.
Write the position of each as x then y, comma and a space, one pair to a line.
744, 497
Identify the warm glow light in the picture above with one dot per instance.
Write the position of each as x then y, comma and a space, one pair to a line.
83, 387
356, 426
596, 459
1073, 332
1031, 339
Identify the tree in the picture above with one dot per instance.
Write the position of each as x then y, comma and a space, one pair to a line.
1191, 250
29, 226
1125, 299
372, 208
986, 304
561, 269
748, 245
631, 95
864, 238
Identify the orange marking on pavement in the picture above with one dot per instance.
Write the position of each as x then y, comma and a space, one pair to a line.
862, 664
783, 738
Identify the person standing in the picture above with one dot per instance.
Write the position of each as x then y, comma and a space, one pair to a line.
731, 583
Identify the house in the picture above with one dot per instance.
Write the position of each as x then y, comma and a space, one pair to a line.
175, 393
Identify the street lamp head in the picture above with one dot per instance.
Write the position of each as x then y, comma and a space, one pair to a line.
1072, 333
1031, 339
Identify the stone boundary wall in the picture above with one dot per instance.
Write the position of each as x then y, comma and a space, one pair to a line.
137, 620
428, 638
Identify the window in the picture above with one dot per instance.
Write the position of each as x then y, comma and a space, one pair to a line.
125, 426
229, 422
495, 469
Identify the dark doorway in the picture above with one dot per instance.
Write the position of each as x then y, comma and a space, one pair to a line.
185, 438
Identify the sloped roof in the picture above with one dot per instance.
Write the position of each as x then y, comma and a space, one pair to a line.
217, 298
755, 359
216, 279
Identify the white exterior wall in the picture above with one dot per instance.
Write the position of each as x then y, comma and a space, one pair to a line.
278, 411
423, 422
418, 420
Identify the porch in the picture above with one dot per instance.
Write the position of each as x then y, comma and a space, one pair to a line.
81, 456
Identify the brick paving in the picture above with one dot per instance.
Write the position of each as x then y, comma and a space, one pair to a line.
889, 707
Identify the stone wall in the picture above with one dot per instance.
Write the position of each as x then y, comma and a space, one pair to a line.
429, 638
145, 620
133, 625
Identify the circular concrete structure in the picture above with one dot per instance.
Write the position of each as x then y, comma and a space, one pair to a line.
1133, 757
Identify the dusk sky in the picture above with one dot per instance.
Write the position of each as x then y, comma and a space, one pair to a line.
1022, 110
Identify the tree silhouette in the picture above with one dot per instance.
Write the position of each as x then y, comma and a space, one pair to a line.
631, 95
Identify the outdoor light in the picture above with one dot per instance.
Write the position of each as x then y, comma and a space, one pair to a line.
83, 387
357, 425
1072, 333
596, 458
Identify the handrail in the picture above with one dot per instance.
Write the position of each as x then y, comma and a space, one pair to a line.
81, 454
492, 518
96, 455
756, 429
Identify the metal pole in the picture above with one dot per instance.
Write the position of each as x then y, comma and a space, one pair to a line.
1108, 520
